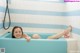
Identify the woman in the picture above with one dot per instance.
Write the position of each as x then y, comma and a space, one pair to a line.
17, 32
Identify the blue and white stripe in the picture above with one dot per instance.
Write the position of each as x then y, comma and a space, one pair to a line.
42, 14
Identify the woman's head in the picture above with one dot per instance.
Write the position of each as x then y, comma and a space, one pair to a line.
17, 32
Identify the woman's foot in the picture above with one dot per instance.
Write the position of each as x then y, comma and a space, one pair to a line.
67, 32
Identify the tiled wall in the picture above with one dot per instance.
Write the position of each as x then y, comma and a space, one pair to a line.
42, 16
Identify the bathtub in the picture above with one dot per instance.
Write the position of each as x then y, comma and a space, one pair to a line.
43, 45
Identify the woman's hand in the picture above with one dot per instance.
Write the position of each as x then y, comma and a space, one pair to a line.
28, 38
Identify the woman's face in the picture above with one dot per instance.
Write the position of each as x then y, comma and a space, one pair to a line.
17, 33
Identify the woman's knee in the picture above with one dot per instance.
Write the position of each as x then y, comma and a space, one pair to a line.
36, 36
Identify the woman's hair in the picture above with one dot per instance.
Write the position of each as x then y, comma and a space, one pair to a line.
14, 29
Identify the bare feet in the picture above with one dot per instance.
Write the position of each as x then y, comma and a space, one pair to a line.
68, 29
67, 32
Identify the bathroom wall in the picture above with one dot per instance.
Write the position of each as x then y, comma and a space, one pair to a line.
43, 16
73, 15
40, 16
2, 9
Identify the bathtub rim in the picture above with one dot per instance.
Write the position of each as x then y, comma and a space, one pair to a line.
60, 39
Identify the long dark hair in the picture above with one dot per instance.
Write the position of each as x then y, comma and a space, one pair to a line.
14, 29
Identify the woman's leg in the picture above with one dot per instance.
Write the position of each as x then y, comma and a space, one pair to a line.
58, 35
